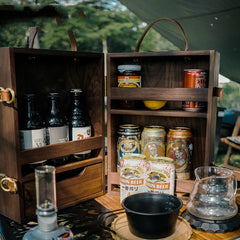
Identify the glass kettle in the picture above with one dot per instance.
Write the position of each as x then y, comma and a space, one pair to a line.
213, 194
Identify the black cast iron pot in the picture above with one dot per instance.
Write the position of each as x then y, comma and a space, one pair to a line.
152, 215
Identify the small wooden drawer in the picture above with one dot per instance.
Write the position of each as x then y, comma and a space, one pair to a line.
72, 186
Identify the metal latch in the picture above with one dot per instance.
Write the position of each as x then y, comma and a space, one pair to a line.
8, 184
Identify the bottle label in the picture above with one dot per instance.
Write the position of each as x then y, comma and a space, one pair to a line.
57, 134
79, 133
32, 138
129, 81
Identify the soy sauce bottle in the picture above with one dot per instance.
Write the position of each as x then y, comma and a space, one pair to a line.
56, 125
31, 125
79, 122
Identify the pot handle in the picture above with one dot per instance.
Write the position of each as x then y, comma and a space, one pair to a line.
157, 20
102, 219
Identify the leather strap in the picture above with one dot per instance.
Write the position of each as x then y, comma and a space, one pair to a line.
157, 20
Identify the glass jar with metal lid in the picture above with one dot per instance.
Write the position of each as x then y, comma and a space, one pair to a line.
180, 147
128, 140
129, 76
153, 141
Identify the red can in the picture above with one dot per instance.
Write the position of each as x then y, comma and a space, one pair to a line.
194, 78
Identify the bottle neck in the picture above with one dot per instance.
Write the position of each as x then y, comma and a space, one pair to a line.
79, 116
55, 106
78, 106
55, 116
30, 118
31, 109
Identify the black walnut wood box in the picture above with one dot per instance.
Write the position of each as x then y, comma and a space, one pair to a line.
162, 79
40, 71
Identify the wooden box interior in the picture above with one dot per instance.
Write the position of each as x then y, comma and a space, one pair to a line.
162, 79
42, 71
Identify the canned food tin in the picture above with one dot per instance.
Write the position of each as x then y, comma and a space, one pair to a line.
153, 141
194, 78
179, 148
128, 140
160, 175
132, 174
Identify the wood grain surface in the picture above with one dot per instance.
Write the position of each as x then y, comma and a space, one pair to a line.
113, 202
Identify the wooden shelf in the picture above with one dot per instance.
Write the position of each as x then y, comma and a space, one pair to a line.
166, 113
165, 94
60, 149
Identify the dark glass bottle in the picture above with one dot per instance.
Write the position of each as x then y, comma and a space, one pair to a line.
79, 124
31, 125
32, 130
56, 125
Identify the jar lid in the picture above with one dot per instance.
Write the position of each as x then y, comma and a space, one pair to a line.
194, 70
134, 156
129, 126
122, 68
160, 159
154, 127
76, 90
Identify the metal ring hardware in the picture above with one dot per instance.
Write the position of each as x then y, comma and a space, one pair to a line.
8, 184
7, 95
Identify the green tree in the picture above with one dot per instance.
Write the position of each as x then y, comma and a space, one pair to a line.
231, 96
105, 23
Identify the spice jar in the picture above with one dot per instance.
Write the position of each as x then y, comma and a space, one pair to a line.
129, 76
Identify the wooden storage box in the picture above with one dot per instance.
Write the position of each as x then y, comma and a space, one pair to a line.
162, 79
31, 70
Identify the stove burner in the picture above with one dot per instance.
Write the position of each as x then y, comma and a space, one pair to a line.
212, 226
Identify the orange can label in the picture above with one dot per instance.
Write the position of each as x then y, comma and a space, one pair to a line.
194, 78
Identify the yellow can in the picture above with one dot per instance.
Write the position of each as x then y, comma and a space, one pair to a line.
153, 141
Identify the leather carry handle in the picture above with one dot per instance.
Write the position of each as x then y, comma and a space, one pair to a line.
32, 35
157, 20
34, 30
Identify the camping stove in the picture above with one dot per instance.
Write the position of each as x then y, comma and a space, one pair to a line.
47, 228
213, 226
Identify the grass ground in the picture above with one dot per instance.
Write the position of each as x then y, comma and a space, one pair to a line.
234, 160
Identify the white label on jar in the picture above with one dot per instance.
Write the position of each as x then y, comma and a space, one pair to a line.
81, 133
32, 138
57, 134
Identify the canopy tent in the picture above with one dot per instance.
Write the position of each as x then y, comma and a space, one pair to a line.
207, 24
